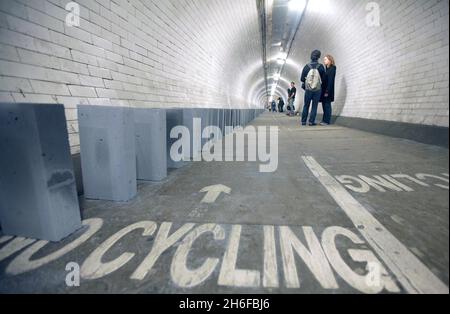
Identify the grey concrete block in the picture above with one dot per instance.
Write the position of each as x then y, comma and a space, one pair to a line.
108, 152
228, 121
215, 117
222, 120
174, 118
233, 117
76, 159
151, 144
210, 117
38, 197
205, 115
188, 121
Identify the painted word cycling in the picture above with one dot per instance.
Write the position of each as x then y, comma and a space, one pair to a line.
321, 256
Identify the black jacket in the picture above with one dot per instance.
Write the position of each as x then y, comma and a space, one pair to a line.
292, 92
328, 84
307, 68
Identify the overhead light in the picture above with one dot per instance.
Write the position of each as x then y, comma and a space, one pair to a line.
281, 58
297, 5
282, 55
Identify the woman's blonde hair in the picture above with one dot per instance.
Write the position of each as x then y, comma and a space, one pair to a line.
331, 58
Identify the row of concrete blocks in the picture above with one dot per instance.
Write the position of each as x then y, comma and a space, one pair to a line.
120, 146
38, 197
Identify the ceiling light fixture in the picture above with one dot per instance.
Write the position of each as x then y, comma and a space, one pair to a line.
282, 55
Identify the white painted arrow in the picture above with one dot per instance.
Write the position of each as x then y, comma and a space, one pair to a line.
213, 192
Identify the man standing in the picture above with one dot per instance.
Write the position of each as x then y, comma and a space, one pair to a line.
312, 77
292, 93
280, 105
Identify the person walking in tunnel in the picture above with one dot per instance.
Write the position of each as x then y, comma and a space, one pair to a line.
313, 75
328, 89
274, 106
280, 105
292, 93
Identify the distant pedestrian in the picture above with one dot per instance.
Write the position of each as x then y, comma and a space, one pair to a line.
328, 89
292, 93
312, 78
274, 106
280, 105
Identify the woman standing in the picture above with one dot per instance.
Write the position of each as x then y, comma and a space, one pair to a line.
328, 89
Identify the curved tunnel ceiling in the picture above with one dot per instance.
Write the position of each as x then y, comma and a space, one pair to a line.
284, 19
232, 43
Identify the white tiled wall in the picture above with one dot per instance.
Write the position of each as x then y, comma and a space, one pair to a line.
397, 72
152, 53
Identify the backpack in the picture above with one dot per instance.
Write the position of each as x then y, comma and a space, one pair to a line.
313, 81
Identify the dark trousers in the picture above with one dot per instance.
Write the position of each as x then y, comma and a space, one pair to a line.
327, 111
314, 98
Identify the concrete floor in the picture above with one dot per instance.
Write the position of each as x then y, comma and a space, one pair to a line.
291, 197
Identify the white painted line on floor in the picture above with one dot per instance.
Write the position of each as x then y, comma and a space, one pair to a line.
5, 239
270, 278
231, 276
412, 274
14, 246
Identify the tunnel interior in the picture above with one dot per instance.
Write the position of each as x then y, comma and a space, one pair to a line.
95, 94
392, 58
